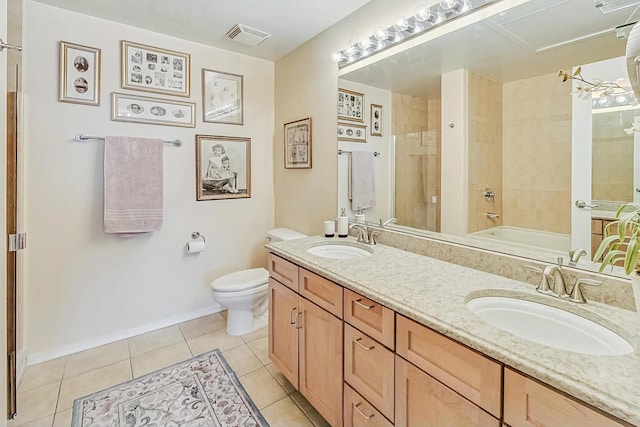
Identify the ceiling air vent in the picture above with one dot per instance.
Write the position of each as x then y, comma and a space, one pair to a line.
247, 35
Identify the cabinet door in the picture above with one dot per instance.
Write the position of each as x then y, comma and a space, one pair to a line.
283, 335
528, 403
320, 336
423, 401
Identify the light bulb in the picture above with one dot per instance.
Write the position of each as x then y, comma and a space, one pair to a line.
365, 43
422, 13
401, 25
621, 99
339, 57
604, 101
382, 34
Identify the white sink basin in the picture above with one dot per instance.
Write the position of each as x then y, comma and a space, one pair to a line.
549, 326
338, 251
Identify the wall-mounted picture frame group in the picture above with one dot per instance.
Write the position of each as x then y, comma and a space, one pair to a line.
223, 167
222, 97
155, 111
79, 74
297, 144
153, 69
350, 105
352, 132
375, 120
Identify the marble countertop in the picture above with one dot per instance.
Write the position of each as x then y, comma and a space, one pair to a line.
600, 214
434, 293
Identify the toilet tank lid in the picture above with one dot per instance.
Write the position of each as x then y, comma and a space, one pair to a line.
241, 280
278, 234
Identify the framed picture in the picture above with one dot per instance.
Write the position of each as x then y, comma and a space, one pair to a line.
350, 105
375, 120
154, 111
152, 69
79, 74
351, 132
297, 144
223, 167
221, 97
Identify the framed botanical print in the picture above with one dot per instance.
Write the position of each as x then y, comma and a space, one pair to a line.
153, 69
222, 97
297, 144
350, 105
375, 119
223, 167
79, 74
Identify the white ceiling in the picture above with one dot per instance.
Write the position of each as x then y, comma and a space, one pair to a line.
538, 37
290, 22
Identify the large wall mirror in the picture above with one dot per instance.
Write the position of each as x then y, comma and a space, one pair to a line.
532, 146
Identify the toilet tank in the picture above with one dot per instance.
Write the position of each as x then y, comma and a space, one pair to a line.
279, 234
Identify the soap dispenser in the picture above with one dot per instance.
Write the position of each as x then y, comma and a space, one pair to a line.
343, 224
360, 217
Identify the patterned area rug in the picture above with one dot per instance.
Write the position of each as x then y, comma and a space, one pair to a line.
198, 392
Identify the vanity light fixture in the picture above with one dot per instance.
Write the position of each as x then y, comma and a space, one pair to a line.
403, 29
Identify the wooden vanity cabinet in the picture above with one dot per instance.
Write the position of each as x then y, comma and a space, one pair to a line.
527, 403
305, 340
422, 401
469, 373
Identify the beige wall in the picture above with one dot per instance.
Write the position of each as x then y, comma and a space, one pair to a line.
485, 151
612, 146
416, 126
536, 154
84, 287
306, 85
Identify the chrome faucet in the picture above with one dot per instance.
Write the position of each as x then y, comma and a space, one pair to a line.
362, 232
554, 272
366, 234
575, 254
387, 222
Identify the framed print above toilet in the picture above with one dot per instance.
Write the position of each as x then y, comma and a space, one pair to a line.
297, 144
223, 167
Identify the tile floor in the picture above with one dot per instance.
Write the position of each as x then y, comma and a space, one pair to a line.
47, 390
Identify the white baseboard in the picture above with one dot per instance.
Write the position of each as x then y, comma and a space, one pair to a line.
65, 350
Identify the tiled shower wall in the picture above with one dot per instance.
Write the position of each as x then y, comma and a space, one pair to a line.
485, 152
536, 154
416, 127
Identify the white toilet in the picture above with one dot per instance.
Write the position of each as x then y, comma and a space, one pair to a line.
244, 293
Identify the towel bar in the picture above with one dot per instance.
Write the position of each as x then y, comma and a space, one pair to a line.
375, 153
81, 137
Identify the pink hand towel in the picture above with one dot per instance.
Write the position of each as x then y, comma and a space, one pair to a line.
363, 191
132, 185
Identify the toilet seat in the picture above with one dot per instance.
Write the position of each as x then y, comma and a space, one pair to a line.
241, 280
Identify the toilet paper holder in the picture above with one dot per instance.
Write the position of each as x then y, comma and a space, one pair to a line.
196, 235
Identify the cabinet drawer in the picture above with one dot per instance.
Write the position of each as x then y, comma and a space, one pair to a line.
368, 368
469, 373
596, 226
528, 403
321, 291
283, 271
370, 317
359, 413
422, 401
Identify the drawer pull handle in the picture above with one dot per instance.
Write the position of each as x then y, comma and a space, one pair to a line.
365, 416
298, 325
291, 320
366, 307
357, 341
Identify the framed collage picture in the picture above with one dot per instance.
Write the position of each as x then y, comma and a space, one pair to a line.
352, 132
156, 111
297, 144
79, 74
375, 119
153, 69
350, 105
223, 167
